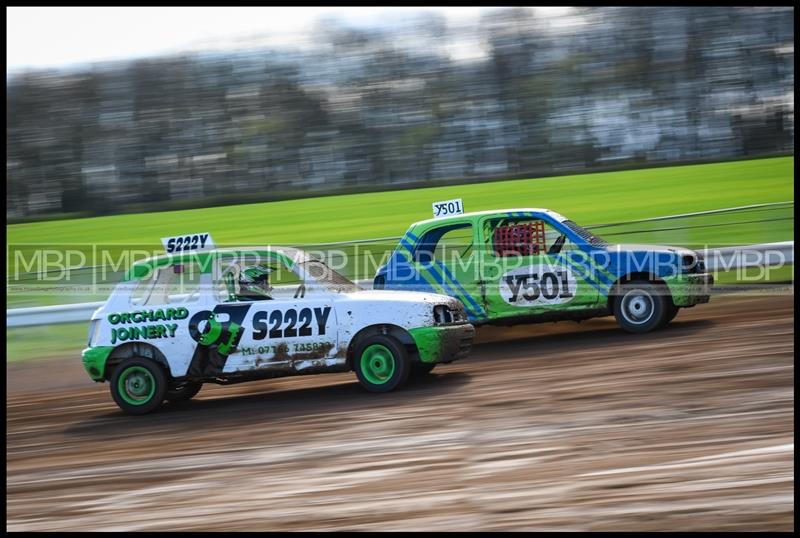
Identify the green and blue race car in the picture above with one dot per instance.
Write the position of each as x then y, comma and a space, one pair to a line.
531, 265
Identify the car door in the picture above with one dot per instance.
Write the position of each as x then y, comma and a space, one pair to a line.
298, 323
524, 270
446, 260
164, 308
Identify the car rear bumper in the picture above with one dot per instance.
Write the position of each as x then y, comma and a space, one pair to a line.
445, 343
94, 361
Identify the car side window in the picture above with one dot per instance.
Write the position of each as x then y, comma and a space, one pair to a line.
185, 283
144, 287
523, 237
253, 279
178, 283
287, 284
445, 243
225, 287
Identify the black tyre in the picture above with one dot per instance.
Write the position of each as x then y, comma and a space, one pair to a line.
138, 385
381, 363
672, 311
420, 369
641, 306
183, 391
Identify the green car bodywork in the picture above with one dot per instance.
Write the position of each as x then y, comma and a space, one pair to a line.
567, 273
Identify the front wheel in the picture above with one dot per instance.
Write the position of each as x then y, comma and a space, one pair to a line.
138, 386
381, 363
640, 306
184, 391
672, 311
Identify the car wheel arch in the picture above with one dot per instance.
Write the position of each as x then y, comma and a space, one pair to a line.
613, 291
135, 349
385, 329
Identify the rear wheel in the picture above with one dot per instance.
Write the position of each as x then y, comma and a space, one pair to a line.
183, 391
138, 386
640, 306
381, 363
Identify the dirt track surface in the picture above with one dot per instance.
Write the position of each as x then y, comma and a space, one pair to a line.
544, 427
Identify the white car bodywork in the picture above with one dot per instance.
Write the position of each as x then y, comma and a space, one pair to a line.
308, 330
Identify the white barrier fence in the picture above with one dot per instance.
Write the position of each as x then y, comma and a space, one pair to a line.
69, 313
763, 255
719, 259
49, 315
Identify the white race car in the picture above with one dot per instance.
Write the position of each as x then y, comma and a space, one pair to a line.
229, 315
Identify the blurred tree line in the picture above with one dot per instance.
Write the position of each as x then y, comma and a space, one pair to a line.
370, 109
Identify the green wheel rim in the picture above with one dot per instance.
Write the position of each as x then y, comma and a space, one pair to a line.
136, 385
377, 364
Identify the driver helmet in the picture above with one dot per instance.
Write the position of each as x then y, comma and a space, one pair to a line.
254, 281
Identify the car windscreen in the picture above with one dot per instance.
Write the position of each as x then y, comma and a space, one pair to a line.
328, 277
585, 234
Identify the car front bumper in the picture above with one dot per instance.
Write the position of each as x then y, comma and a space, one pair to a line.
691, 289
444, 343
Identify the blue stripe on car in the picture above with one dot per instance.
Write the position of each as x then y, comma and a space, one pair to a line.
584, 262
439, 277
583, 273
469, 297
408, 246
